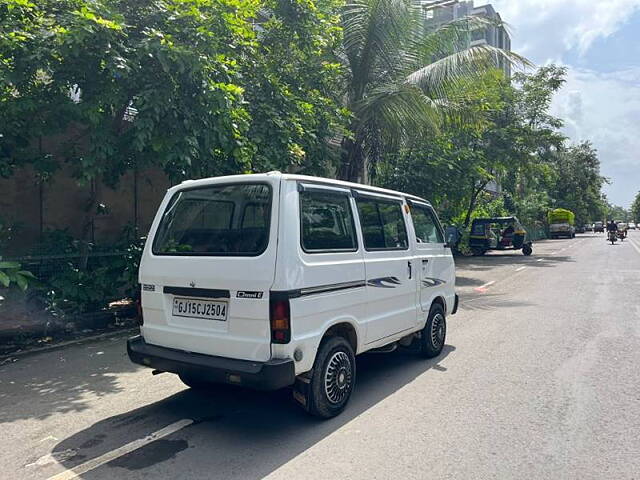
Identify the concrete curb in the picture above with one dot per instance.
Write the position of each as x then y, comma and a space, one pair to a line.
75, 341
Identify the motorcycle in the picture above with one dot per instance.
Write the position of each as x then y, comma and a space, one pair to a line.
621, 235
613, 237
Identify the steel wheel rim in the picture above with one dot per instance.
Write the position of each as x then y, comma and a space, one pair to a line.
437, 330
338, 377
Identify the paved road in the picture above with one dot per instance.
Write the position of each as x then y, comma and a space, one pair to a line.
540, 379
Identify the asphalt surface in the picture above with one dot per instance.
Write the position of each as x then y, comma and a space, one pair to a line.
540, 379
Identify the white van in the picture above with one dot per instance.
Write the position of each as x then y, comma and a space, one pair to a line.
277, 280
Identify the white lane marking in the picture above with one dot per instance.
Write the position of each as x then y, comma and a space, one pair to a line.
119, 452
635, 246
540, 260
520, 269
488, 284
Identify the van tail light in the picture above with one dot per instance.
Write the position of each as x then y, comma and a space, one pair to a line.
279, 314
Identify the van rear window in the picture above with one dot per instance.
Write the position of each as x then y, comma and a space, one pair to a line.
218, 220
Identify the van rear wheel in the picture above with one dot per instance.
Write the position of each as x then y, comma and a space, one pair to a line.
434, 333
334, 374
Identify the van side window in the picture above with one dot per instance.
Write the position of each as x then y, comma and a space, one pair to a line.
426, 225
327, 222
383, 226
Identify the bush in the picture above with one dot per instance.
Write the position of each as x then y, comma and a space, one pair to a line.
89, 276
11, 273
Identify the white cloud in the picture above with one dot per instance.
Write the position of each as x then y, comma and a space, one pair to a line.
605, 109
544, 29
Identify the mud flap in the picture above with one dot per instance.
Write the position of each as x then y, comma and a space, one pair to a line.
302, 390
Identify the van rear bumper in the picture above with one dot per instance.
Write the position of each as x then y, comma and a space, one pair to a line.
271, 375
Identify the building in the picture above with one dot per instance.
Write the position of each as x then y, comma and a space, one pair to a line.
438, 12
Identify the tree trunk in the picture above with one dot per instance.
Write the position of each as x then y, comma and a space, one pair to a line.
472, 202
352, 161
87, 227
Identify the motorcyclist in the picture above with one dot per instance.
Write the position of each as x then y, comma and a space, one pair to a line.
612, 226
624, 228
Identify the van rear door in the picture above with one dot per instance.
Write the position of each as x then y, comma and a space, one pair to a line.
208, 267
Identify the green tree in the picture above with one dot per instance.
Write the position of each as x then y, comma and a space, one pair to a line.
480, 145
293, 86
197, 87
510, 138
578, 182
635, 209
137, 81
400, 75
617, 213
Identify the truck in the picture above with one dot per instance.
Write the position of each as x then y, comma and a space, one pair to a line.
561, 223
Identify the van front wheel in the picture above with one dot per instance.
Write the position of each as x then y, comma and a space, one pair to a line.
434, 333
334, 374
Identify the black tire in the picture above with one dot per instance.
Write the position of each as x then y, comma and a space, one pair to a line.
434, 333
527, 250
195, 383
333, 378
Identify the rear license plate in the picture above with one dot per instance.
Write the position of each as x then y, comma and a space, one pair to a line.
207, 309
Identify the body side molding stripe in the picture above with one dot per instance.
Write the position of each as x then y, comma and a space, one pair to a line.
303, 292
384, 282
432, 282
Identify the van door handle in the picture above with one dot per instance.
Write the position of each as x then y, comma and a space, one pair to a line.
409, 265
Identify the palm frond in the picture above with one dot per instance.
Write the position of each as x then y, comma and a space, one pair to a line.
374, 31
393, 113
439, 77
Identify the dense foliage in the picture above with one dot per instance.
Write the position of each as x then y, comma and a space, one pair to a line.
635, 209
196, 87
511, 158
402, 75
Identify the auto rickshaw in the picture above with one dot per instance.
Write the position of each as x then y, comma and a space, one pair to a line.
499, 233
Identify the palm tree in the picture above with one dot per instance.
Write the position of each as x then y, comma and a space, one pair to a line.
400, 74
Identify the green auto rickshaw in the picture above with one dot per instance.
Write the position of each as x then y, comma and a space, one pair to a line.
498, 233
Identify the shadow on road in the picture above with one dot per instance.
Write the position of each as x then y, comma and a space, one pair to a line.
488, 302
35, 389
462, 281
239, 433
492, 260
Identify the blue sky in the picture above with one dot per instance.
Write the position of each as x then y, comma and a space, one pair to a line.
599, 42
